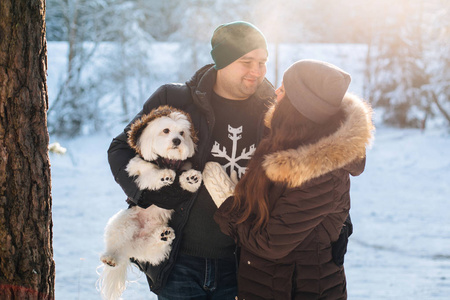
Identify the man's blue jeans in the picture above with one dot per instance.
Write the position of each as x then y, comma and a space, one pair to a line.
201, 278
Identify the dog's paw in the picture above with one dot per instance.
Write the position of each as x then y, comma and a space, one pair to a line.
167, 234
167, 177
135, 166
108, 260
191, 180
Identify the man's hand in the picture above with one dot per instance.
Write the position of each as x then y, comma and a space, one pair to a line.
168, 197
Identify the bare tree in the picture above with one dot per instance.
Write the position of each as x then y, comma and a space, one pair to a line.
77, 22
27, 269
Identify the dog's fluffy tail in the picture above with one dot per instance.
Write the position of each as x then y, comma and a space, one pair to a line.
113, 280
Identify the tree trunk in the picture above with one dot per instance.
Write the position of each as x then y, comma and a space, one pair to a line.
27, 269
446, 114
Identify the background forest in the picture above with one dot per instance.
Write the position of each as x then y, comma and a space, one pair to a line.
115, 49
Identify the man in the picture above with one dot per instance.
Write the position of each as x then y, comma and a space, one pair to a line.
227, 102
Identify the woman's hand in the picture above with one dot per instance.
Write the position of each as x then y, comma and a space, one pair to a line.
219, 185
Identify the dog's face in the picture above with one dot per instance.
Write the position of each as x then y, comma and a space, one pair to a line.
168, 137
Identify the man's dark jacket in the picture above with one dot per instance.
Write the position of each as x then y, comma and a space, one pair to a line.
193, 98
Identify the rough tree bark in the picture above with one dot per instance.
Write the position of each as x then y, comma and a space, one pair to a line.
27, 269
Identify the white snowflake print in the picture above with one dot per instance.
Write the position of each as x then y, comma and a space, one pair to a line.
235, 136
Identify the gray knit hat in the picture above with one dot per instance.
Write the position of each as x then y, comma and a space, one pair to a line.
233, 40
316, 88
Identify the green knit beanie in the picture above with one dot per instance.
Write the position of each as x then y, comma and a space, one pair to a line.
233, 40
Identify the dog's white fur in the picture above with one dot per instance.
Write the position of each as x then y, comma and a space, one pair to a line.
143, 234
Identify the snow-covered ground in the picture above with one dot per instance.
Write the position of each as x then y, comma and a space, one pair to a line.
84, 197
400, 248
400, 209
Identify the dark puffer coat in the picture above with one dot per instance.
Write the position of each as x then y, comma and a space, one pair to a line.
292, 257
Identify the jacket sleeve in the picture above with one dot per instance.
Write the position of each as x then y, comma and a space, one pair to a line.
120, 153
292, 219
356, 167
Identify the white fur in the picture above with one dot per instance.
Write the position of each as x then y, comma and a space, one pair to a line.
154, 141
191, 180
149, 176
137, 233
140, 233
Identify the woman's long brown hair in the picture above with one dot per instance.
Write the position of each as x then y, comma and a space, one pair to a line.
289, 129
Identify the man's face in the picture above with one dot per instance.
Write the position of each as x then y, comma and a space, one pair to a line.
240, 79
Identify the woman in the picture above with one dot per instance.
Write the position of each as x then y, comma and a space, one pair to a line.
289, 207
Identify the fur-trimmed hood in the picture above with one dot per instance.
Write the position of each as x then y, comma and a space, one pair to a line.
140, 124
346, 145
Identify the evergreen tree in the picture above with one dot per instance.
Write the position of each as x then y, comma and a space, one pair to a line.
399, 74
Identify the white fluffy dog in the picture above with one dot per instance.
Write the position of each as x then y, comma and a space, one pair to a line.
163, 139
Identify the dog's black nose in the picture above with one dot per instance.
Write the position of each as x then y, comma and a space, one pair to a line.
176, 141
